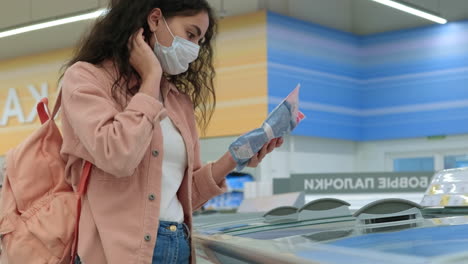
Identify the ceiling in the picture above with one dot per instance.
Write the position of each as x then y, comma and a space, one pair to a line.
356, 16
365, 17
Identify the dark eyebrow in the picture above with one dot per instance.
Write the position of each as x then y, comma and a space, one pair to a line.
197, 29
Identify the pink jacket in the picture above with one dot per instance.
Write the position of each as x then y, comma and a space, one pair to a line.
125, 145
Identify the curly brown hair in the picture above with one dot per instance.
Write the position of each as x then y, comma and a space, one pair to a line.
108, 40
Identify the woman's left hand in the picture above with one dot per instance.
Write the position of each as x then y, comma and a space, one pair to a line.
267, 148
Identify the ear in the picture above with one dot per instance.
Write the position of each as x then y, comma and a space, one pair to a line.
153, 19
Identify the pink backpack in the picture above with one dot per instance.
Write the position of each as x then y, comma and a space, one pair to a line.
39, 211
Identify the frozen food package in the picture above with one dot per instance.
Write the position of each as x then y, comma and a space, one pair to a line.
279, 123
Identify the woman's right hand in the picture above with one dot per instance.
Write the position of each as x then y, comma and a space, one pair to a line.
144, 61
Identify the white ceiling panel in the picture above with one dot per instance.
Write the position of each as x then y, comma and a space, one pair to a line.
331, 13
240, 6
103, 3
357, 16
14, 12
44, 9
371, 17
278, 6
42, 40
430, 5
454, 9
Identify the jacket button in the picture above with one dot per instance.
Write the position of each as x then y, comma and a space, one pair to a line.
151, 197
147, 238
155, 153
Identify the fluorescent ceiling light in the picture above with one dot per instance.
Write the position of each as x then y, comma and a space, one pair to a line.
53, 23
412, 10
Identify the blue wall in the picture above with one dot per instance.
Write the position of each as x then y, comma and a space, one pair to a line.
402, 84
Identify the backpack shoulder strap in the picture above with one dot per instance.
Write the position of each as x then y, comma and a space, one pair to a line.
43, 108
82, 187
58, 103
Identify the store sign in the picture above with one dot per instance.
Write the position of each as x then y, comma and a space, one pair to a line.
13, 108
24, 82
386, 182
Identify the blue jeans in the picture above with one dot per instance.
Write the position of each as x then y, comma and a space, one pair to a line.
172, 246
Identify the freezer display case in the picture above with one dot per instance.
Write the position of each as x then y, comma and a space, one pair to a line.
327, 231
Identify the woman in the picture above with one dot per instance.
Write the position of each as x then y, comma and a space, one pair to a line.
128, 101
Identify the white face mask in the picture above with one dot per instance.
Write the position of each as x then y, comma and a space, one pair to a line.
176, 58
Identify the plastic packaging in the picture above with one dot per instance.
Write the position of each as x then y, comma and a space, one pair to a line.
448, 188
280, 122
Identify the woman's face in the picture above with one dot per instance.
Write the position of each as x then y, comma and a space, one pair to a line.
192, 28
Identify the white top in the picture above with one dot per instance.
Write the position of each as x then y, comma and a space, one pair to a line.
173, 171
